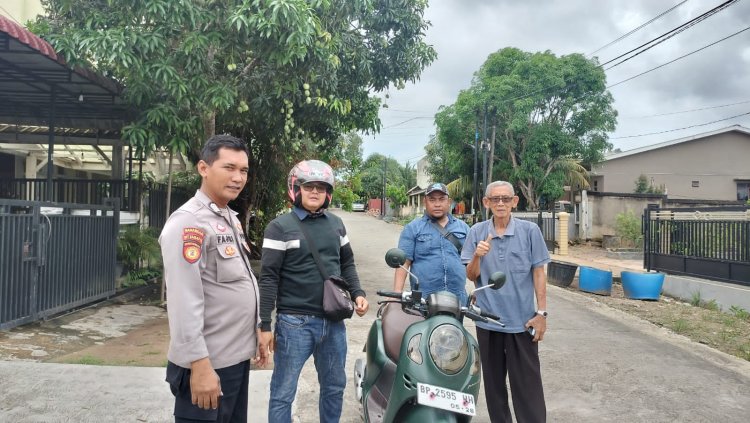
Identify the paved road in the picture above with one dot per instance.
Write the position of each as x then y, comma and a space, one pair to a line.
598, 364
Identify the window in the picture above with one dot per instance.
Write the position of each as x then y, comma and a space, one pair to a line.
696, 184
743, 191
596, 185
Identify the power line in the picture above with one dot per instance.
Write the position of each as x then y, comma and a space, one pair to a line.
669, 34
528, 94
407, 120
634, 30
679, 129
681, 57
686, 111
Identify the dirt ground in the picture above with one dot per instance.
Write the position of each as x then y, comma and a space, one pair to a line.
129, 330
132, 329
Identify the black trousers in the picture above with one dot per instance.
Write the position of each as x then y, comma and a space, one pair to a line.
514, 355
232, 403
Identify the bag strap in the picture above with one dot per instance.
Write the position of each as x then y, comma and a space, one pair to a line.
447, 235
313, 249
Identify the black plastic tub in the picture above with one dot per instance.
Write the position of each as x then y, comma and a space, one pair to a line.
561, 273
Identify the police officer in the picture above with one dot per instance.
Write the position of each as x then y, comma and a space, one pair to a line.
212, 295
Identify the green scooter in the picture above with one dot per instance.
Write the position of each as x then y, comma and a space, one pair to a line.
421, 364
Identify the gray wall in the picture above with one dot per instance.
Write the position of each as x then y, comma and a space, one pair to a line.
604, 208
714, 161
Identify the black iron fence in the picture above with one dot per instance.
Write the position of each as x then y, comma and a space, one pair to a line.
712, 243
54, 257
546, 221
157, 203
77, 191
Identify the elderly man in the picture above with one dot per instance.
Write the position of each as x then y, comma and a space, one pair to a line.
517, 248
432, 244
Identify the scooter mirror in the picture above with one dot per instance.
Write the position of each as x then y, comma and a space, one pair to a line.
497, 280
395, 258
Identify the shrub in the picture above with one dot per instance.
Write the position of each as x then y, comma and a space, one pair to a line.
628, 228
137, 248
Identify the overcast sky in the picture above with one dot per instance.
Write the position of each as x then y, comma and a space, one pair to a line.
465, 32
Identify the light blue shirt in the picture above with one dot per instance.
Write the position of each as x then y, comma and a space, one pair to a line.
516, 253
435, 260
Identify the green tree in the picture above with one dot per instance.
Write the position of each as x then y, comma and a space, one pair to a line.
288, 76
397, 195
372, 175
547, 116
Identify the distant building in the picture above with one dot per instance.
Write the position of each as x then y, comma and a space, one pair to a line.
414, 205
709, 166
21, 11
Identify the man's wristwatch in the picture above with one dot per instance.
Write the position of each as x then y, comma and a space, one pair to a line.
542, 313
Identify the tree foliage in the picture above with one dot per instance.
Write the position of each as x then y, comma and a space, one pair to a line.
372, 175
288, 76
644, 186
397, 195
550, 117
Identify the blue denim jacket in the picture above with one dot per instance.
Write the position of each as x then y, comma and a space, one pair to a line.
435, 260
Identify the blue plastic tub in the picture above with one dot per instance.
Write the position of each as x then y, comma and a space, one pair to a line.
642, 286
595, 281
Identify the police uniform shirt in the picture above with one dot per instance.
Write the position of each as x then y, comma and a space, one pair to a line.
212, 295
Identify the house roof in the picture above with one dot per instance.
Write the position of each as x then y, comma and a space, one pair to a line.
35, 80
415, 190
737, 128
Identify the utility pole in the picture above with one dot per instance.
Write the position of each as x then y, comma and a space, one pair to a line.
382, 200
475, 199
485, 145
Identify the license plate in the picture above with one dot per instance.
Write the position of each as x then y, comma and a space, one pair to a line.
446, 399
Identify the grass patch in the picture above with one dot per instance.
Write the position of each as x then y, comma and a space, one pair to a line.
740, 313
680, 326
710, 305
89, 360
695, 300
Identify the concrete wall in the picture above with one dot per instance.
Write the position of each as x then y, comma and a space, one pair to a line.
726, 295
604, 208
712, 163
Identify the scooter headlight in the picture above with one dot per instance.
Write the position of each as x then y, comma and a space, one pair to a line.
448, 348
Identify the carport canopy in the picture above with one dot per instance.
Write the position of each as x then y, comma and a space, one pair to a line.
38, 90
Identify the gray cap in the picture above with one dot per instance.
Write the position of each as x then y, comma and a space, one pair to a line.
436, 187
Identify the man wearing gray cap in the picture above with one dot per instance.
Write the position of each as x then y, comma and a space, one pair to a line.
432, 243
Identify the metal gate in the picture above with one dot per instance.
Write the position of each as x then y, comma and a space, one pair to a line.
54, 257
712, 243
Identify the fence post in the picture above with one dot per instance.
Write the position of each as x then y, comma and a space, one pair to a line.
563, 227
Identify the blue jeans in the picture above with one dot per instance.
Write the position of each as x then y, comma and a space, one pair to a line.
298, 337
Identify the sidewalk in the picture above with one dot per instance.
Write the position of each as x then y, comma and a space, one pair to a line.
74, 393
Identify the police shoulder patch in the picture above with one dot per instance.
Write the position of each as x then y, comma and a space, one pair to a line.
192, 240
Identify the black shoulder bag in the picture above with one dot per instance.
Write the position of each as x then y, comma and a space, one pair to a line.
337, 300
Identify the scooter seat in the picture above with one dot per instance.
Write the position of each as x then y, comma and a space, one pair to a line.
395, 322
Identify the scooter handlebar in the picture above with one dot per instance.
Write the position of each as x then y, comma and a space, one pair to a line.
389, 294
490, 315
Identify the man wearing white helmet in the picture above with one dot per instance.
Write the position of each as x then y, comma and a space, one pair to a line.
291, 283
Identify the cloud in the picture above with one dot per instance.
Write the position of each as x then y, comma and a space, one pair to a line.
465, 32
